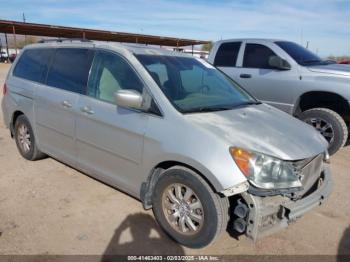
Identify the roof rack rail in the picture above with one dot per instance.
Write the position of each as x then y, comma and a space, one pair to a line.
61, 40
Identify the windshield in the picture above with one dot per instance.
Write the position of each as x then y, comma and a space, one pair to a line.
193, 85
300, 54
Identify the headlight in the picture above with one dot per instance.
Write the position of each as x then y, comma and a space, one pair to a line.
265, 171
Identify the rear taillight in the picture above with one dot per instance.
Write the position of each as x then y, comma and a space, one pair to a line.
4, 89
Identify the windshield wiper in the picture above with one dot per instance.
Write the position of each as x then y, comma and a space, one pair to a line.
311, 61
207, 109
251, 103
328, 62
220, 108
246, 104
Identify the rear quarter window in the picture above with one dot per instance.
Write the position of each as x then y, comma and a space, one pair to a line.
33, 64
70, 69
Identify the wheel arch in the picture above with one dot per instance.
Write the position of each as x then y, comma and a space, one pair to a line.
14, 117
323, 99
147, 187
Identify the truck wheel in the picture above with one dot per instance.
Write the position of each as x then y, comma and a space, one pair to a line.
25, 140
330, 125
187, 208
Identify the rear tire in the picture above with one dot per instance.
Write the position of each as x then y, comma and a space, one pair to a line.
330, 124
25, 139
209, 214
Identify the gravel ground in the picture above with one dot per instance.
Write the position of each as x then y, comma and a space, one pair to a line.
49, 208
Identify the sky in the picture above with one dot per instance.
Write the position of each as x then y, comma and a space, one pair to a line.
325, 24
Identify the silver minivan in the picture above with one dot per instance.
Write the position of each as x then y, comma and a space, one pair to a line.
170, 130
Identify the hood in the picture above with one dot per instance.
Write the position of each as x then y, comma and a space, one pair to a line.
263, 129
336, 69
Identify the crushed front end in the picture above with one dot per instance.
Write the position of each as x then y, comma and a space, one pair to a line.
259, 213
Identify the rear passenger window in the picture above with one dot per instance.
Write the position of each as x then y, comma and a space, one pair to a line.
257, 56
70, 69
226, 55
33, 64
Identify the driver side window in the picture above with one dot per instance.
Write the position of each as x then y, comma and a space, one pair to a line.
109, 74
257, 56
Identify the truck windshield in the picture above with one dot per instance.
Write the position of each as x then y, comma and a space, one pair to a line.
193, 85
300, 54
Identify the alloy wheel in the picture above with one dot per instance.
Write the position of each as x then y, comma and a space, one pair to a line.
322, 126
23, 137
182, 209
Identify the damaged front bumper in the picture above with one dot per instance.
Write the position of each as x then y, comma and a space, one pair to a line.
270, 214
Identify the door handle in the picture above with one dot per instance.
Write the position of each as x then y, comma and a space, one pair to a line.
66, 104
87, 110
245, 76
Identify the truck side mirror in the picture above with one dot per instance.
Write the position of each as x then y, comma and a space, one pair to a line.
279, 63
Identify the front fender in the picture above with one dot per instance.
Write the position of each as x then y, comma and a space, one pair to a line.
192, 164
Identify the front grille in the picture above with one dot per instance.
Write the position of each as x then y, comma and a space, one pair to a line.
309, 171
300, 164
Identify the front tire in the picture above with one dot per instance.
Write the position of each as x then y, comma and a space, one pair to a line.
330, 125
25, 139
187, 209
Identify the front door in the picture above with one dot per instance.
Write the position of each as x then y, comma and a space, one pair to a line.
270, 85
110, 138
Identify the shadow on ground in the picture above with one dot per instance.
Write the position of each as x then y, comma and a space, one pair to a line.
146, 238
344, 244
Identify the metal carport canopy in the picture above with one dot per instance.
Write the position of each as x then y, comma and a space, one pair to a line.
34, 29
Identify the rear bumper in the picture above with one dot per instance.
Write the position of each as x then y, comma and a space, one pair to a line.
268, 215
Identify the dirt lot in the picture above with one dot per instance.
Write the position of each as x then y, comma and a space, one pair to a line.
49, 208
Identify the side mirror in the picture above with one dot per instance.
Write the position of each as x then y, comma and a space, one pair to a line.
128, 98
279, 63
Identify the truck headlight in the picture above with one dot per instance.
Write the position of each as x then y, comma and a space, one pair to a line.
265, 171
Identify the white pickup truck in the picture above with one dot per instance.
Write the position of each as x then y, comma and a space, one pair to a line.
293, 79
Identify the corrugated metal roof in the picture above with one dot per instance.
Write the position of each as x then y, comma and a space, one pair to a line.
21, 28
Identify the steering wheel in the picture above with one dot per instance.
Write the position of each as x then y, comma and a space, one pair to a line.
204, 88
